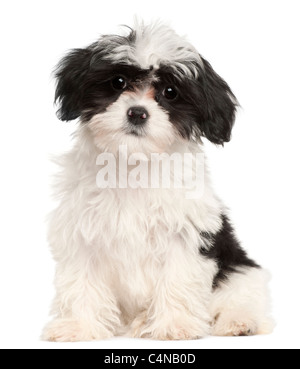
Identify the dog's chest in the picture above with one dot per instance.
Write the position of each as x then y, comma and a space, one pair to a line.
133, 232
138, 237
140, 223
139, 218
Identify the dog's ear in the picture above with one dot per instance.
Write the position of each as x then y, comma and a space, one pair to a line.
70, 73
219, 113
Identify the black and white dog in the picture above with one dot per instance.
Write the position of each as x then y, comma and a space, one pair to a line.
134, 258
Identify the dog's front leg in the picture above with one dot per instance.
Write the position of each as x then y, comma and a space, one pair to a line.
179, 306
84, 307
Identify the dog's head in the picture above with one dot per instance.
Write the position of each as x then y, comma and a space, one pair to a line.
144, 90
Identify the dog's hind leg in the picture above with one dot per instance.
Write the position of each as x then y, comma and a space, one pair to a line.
240, 304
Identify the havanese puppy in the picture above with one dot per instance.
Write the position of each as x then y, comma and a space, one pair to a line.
143, 246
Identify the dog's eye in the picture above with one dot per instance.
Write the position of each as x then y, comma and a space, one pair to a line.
170, 93
119, 83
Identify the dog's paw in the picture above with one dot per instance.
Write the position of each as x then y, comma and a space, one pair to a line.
234, 324
71, 330
66, 330
241, 323
161, 330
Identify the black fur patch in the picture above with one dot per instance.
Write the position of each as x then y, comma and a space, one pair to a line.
84, 86
226, 251
71, 73
205, 106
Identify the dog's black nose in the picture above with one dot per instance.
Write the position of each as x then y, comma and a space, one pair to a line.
137, 115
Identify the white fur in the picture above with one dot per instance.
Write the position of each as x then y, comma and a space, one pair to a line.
241, 305
114, 249
156, 43
110, 128
128, 261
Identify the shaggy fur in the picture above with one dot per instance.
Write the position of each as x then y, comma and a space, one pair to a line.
146, 262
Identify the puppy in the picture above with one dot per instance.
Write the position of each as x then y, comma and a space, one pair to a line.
136, 256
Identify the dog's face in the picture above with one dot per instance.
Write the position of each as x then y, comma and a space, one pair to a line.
144, 90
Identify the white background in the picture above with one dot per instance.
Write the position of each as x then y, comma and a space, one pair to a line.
253, 45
